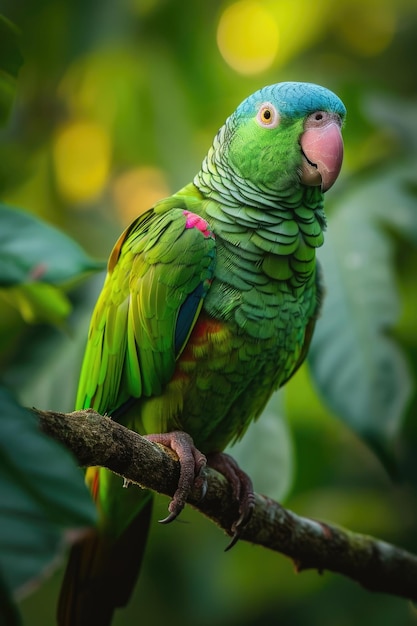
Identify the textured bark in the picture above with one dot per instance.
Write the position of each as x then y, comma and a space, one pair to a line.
97, 440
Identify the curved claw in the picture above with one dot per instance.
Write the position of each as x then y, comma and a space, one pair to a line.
169, 518
246, 511
242, 491
232, 542
192, 463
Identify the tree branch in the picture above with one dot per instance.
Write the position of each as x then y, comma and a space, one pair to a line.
376, 565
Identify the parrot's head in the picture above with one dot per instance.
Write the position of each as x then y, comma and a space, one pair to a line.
285, 135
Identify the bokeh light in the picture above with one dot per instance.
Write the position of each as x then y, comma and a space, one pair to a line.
372, 30
115, 108
137, 190
81, 156
248, 36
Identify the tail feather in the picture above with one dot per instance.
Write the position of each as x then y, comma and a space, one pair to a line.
101, 573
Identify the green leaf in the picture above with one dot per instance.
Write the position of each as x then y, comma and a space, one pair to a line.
38, 302
268, 439
43, 493
388, 111
10, 62
33, 251
46, 372
357, 367
37, 262
9, 615
388, 199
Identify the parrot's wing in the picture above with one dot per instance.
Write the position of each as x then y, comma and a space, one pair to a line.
158, 275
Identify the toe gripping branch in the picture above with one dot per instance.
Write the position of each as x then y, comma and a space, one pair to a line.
192, 464
242, 490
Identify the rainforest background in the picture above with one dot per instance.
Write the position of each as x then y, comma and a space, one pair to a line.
107, 106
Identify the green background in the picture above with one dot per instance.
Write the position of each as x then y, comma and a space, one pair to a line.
115, 105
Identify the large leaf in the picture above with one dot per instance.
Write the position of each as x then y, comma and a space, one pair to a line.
43, 493
45, 373
38, 302
356, 365
9, 615
388, 199
33, 251
10, 62
266, 451
37, 263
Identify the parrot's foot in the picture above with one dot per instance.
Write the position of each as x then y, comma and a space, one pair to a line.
242, 490
192, 463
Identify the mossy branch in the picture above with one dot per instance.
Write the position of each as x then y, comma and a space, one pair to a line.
97, 440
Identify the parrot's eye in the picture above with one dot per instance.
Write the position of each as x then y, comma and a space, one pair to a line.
267, 116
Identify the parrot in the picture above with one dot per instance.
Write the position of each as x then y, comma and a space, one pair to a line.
208, 306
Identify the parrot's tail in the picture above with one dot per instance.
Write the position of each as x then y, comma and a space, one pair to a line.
101, 574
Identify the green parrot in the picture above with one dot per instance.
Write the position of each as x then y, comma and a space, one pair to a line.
208, 306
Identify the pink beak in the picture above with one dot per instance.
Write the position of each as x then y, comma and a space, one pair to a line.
322, 146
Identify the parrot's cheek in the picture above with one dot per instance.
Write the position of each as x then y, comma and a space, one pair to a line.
322, 155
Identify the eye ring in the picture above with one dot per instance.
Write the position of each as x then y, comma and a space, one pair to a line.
267, 116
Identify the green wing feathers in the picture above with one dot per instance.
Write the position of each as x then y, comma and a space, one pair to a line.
158, 275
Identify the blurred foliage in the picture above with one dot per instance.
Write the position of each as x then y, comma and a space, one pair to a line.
36, 263
116, 104
10, 62
39, 500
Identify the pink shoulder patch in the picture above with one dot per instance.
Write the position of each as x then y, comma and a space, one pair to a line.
195, 221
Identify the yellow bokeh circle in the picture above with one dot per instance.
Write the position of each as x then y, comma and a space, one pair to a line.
248, 36
81, 156
136, 190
